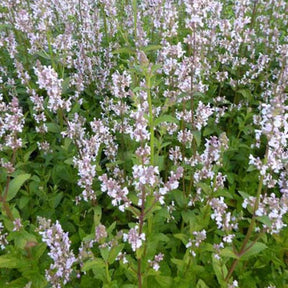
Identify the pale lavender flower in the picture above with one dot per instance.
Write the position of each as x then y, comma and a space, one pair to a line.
48, 80
61, 254
273, 207
144, 175
11, 123
115, 191
134, 238
199, 237
100, 233
234, 284
3, 241
203, 112
155, 263
17, 224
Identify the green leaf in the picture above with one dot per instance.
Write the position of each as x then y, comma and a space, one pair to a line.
65, 85
55, 200
105, 253
164, 281
182, 237
251, 168
95, 264
97, 215
201, 284
38, 250
114, 252
197, 137
18, 283
165, 118
10, 261
254, 250
53, 127
22, 237
111, 227
16, 184
220, 271
151, 48
244, 194
228, 252
245, 93
124, 50
44, 55
265, 220
69, 161
179, 197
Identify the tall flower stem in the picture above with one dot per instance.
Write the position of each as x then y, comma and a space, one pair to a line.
151, 120
244, 247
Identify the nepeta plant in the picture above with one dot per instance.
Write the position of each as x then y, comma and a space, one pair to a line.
143, 143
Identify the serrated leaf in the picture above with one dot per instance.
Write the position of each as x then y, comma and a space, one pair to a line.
124, 50
38, 250
251, 168
105, 253
97, 215
165, 118
151, 48
254, 250
164, 281
182, 237
43, 55
114, 253
9, 261
65, 85
201, 284
111, 227
197, 137
245, 93
53, 127
228, 252
69, 161
179, 263
244, 194
16, 184
220, 271
265, 220
96, 264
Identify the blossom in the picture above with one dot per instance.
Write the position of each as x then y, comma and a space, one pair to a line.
59, 244
134, 238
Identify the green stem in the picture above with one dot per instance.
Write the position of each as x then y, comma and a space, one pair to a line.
244, 247
107, 272
134, 4
151, 121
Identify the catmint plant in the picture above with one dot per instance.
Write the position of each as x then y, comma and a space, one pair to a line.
143, 143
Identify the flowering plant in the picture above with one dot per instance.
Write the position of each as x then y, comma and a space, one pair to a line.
143, 143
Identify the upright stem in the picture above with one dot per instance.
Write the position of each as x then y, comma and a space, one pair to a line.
244, 247
141, 223
134, 3
151, 120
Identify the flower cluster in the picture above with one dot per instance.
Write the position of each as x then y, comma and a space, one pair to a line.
59, 244
272, 207
155, 263
11, 124
134, 238
48, 80
192, 244
3, 236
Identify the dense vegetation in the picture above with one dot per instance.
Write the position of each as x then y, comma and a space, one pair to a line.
143, 143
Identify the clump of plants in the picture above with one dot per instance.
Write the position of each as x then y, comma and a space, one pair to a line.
143, 143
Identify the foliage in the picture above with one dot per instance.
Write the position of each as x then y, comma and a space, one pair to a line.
143, 143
